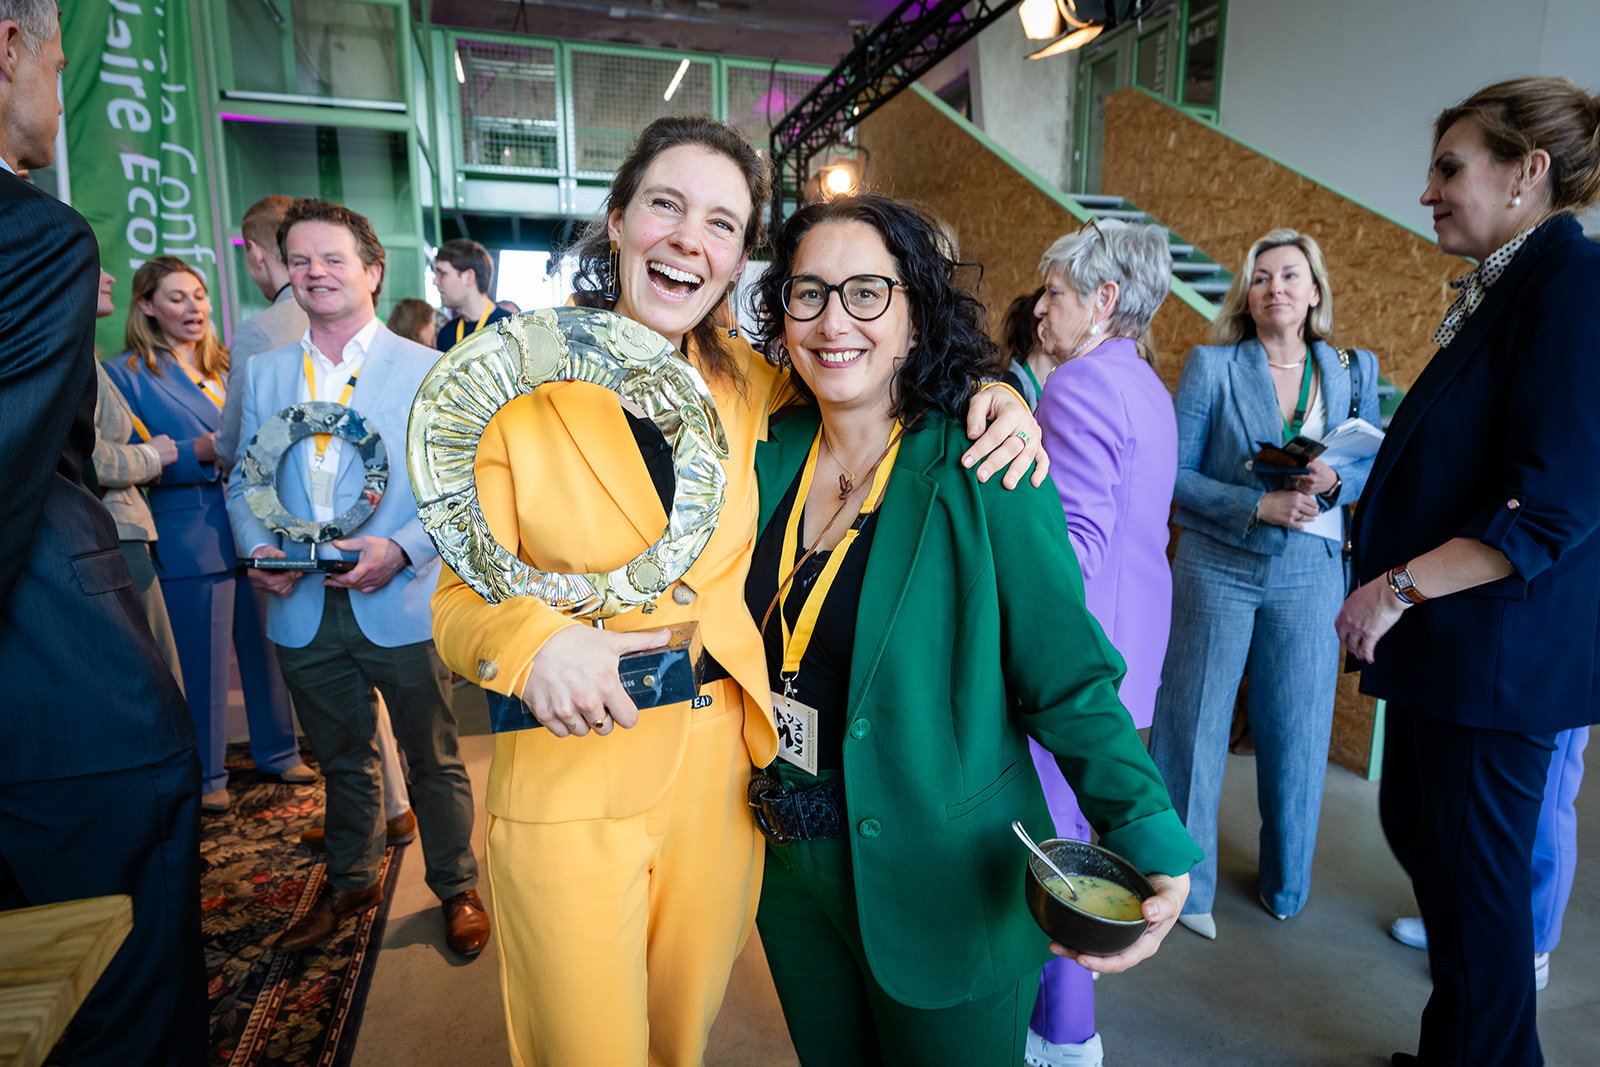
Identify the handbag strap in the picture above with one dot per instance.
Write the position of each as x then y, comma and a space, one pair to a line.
1347, 358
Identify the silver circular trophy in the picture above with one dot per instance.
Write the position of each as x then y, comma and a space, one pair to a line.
259, 471
472, 381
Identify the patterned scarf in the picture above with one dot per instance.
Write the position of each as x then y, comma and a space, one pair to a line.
1473, 285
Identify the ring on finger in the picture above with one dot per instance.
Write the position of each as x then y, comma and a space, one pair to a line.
1021, 435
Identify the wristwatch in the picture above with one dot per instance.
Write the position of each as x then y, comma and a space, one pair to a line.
1401, 584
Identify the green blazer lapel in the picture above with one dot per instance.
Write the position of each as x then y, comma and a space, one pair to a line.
902, 521
780, 457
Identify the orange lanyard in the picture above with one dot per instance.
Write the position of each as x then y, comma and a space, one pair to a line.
796, 643
461, 323
344, 398
204, 385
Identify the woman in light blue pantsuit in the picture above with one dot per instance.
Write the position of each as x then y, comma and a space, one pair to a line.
1258, 575
172, 378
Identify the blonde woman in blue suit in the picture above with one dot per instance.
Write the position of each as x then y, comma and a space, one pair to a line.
1258, 574
171, 376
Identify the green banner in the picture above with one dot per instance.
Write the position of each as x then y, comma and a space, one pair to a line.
136, 140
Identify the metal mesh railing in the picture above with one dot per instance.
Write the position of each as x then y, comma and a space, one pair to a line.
615, 95
759, 96
510, 113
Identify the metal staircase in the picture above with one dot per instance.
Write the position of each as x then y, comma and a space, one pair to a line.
1204, 275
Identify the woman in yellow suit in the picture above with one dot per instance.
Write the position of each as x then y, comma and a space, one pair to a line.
624, 864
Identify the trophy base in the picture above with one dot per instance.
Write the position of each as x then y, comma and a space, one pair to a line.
652, 678
327, 566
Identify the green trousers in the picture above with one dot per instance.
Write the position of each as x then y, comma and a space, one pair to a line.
838, 1015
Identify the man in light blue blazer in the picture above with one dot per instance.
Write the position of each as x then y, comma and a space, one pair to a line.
341, 634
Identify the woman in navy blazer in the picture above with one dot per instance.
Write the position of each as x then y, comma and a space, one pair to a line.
1479, 616
172, 377
1258, 574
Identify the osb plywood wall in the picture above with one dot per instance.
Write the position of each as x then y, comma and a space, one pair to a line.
1390, 286
1001, 219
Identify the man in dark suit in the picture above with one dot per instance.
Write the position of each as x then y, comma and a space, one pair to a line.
99, 781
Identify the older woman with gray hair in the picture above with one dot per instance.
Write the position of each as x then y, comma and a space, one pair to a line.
1258, 575
1108, 428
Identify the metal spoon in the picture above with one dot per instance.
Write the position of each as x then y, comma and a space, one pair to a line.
1048, 862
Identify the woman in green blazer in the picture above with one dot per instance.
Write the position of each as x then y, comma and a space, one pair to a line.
929, 624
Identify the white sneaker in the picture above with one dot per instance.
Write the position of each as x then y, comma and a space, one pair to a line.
1042, 1053
1409, 930
1201, 923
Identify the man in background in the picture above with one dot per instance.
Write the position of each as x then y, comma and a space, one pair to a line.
278, 325
99, 779
463, 273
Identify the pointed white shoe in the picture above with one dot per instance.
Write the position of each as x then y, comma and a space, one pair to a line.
1201, 923
1408, 930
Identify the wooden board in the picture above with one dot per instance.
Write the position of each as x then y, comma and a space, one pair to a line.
50, 957
1390, 285
1001, 219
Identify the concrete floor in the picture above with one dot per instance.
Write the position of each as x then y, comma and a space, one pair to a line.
1327, 987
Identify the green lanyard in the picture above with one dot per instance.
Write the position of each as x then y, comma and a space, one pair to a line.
1038, 390
1291, 430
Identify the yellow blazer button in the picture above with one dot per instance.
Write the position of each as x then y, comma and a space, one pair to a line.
487, 669
682, 595
870, 828
860, 728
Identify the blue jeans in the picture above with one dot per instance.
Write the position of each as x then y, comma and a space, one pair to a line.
1234, 610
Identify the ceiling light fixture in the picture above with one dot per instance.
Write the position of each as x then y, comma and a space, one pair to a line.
1040, 19
683, 68
1069, 42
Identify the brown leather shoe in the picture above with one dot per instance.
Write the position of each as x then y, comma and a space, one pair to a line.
332, 908
466, 923
399, 831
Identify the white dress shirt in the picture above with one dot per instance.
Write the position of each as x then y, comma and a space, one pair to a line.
331, 379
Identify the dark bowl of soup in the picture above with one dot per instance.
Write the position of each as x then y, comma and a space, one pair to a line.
1106, 918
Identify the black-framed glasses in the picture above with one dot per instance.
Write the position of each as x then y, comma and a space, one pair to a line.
864, 296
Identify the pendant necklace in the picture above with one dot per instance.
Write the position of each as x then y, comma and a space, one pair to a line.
847, 480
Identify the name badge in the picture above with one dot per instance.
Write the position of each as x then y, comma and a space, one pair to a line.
797, 732
322, 487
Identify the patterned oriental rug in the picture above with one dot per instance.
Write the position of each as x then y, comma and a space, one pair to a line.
273, 1008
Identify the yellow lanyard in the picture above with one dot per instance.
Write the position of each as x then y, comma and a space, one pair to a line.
344, 398
795, 645
461, 323
204, 385
140, 429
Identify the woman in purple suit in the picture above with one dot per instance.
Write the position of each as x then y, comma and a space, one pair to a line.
1113, 445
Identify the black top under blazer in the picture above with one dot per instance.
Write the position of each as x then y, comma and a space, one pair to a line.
1499, 440
85, 689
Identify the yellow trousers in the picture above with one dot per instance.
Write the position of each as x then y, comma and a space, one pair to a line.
616, 936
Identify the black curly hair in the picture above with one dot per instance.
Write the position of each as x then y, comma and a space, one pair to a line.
953, 351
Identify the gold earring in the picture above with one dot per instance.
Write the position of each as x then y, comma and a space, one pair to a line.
612, 282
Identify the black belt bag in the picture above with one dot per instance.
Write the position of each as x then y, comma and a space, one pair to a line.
810, 814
